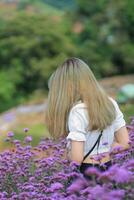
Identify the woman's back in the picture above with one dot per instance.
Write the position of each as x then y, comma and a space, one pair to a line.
73, 81
78, 123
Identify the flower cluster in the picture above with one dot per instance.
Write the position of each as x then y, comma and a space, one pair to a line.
44, 173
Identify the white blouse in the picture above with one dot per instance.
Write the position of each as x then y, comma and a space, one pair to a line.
78, 122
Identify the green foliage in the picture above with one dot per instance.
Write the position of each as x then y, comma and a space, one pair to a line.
31, 47
34, 42
128, 111
39, 6
8, 87
106, 40
56, 6
128, 18
89, 8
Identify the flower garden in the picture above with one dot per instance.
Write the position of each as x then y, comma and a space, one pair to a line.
44, 173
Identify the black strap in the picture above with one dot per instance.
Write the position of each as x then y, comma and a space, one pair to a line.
97, 141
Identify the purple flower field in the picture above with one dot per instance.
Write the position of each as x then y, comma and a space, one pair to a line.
33, 174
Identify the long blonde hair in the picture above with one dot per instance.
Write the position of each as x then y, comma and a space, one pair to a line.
71, 82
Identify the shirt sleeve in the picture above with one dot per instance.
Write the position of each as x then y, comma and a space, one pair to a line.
119, 120
76, 126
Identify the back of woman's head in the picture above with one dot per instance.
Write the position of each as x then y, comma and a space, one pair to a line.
71, 82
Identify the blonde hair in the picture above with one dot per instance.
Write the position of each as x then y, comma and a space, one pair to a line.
71, 82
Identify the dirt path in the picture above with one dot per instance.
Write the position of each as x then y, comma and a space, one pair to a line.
112, 84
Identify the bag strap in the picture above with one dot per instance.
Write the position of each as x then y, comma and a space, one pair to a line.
97, 141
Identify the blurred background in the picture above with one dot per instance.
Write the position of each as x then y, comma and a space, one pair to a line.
36, 36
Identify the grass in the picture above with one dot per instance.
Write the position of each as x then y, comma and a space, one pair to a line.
128, 111
37, 132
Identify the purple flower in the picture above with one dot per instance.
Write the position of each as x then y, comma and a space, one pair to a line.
105, 143
10, 134
28, 138
97, 192
26, 129
93, 171
43, 173
117, 194
105, 176
130, 164
56, 186
16, 141
98, 157
77, 185
116, 150
122, 176
119, 174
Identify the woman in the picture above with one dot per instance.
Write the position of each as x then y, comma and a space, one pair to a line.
80, 110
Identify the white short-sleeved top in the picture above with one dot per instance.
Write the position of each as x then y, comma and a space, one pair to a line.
78, 122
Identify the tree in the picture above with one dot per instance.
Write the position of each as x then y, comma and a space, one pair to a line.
31, 48
106, 40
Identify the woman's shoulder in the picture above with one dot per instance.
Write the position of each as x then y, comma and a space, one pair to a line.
78, 104
81, 105
112, 99
114, 103
78, 108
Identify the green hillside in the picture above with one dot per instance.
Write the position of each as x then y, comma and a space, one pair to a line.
41, 6
50, 4
64, 4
